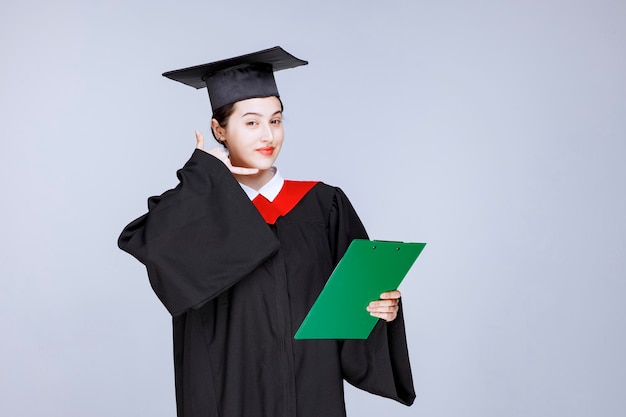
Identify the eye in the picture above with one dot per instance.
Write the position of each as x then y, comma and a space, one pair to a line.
276, 121
251, 123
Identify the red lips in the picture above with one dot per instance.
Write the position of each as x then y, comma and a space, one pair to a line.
267, 150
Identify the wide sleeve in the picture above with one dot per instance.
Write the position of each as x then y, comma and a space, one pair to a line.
380, 364
199, 238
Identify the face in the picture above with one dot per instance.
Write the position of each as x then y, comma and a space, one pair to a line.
254, 133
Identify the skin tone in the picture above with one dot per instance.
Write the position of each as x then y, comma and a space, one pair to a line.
254, 136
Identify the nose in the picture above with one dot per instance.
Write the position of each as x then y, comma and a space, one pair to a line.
268, 135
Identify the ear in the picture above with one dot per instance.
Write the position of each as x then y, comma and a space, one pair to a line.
218, 130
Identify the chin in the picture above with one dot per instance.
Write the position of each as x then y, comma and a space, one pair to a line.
263, 165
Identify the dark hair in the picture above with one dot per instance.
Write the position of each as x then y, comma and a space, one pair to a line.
222, 114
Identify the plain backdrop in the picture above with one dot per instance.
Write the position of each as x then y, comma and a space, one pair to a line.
495, 131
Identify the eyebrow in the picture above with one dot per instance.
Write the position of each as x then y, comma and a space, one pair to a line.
260, 115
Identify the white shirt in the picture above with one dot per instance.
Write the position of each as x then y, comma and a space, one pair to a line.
269, 190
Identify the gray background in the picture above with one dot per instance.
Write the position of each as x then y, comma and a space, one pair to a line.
494, 131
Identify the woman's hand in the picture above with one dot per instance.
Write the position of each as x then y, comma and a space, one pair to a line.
387, 307
219, 153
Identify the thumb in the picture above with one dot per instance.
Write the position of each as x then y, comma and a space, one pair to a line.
199, 141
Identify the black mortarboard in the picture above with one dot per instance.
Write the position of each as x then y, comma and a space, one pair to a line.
238, 78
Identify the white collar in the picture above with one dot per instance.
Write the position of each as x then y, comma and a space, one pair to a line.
269, 190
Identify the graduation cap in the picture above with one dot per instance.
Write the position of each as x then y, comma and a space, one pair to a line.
238, 78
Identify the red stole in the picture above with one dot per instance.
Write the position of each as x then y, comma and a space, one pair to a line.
288, 197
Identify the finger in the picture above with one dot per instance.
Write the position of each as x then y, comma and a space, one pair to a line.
383, 308
385, 316
384, 303
395, 294
243, 171
199, 140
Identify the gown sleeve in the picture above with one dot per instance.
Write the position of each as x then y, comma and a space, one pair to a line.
380, 364
199, 238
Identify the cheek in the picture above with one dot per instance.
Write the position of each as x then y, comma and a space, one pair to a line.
237, 138
279, 136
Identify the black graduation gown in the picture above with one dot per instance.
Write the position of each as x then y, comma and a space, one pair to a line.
238, 288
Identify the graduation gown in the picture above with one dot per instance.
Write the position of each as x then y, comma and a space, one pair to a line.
238, 288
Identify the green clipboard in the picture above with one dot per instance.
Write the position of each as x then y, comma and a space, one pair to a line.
367, 269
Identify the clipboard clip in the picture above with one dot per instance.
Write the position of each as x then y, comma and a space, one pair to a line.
387, 241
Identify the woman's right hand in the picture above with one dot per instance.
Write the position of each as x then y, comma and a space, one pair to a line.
220, 154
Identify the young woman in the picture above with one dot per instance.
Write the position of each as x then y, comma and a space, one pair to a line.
238, 255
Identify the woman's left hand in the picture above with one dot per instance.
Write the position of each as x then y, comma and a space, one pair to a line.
387, 307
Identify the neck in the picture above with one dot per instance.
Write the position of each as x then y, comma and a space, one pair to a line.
257, 180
